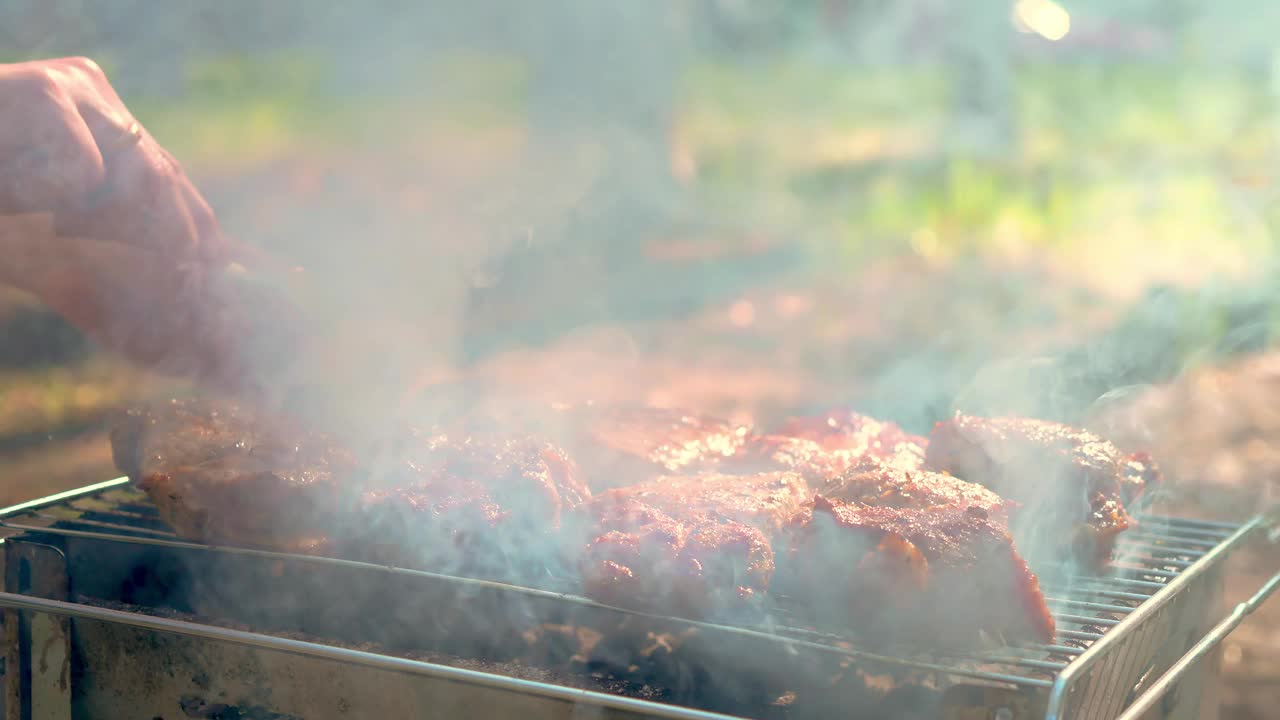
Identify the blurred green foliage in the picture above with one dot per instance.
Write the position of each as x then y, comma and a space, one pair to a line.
1110, 156
1166, 155
241, 110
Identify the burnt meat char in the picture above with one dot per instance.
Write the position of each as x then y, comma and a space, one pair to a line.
928, 576
1070, 484
696, 565
873, 482
624, 446
221, 474
860, 436
698, 543
480, 506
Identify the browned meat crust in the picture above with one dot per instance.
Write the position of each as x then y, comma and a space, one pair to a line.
624, 446
935, 575
488, 507
712, 531
621, 447
762, 453
824, 447
220, 475
697, 565
878, 483
484, 506
1070, 484
1141, 477
766, 501
859, 436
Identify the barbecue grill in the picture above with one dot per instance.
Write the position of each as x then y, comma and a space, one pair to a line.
108, 614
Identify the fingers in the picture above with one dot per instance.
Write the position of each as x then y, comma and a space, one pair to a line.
48, 156
145, 199
117, 239
66, 148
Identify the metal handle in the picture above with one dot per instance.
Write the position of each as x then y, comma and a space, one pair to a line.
1211, 640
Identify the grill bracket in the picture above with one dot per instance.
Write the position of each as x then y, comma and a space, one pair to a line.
38, 662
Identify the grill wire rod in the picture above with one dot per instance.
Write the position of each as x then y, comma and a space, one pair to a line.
1206, 645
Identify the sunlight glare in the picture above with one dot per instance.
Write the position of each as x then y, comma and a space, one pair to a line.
1045, 18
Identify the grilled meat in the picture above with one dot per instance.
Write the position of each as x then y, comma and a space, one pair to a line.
696, 565
859, 436
488, 507
934, 576
1071, 484
874, 482
699, 542
625, 446
222, 475
766, 501
762, 453
824, 447
1140, 477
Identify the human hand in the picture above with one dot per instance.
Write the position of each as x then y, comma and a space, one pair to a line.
107, 229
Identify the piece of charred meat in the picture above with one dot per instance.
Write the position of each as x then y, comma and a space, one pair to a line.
694, 565
699, 543
479, 506
1072, 486
221, 474
874, 482
936, 577
860, 436
623, 446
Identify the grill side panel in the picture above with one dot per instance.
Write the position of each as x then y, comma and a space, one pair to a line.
128, 673
1145, 653
1113, 672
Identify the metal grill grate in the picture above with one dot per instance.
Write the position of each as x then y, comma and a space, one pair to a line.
1109, 625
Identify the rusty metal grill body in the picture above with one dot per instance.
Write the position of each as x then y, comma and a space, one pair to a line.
70, 556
